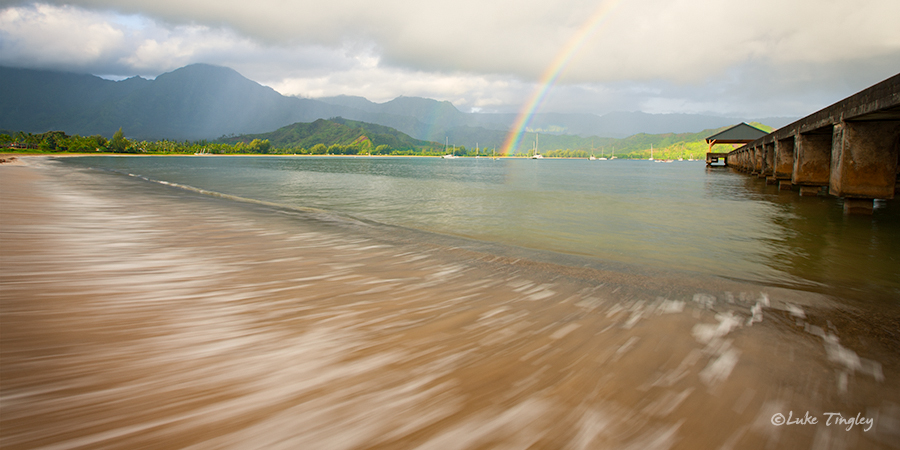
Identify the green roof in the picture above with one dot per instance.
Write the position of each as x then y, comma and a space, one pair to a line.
738, 133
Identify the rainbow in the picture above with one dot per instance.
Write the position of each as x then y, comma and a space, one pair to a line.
552, 74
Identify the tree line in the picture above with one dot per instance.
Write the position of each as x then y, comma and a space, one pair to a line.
58, 141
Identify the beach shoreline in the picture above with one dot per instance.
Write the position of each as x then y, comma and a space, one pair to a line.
137, 315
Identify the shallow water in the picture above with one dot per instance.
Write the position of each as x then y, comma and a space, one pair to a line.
138, 315
670, 216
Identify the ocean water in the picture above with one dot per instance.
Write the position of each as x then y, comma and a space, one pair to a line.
672, 216
417, 303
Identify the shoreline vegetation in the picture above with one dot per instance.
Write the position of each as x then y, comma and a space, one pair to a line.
340, 137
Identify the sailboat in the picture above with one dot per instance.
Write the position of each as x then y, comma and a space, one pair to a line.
651, 152
602, 158
448, 155
536, 155
592, 152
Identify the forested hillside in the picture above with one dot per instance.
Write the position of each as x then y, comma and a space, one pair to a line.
339, 136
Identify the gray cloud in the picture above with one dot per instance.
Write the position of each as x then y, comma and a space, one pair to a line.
772, 57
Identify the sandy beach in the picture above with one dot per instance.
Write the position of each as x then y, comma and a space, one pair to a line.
143, 316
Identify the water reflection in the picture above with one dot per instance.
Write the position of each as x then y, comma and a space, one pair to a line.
812, 240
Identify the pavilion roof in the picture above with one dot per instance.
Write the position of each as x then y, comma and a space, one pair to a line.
738, 134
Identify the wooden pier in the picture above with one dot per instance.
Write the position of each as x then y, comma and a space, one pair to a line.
850, 149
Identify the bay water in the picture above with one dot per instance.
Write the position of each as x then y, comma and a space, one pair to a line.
679, 216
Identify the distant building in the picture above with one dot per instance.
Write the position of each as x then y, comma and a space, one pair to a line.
738, 134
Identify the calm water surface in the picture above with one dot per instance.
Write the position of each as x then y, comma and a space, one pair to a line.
671, 216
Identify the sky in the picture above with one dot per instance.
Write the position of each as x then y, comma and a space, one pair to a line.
723, 57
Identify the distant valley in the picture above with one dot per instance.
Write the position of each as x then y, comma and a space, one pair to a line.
211, 102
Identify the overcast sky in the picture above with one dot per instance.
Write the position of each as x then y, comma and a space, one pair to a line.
737, 58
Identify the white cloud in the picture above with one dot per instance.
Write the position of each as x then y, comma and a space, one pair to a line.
63, 37
381, 84
682, 40
690, 41
43, 36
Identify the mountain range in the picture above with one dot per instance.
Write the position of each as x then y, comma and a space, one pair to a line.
202, 101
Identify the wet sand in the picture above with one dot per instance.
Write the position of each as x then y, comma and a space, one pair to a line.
134, 315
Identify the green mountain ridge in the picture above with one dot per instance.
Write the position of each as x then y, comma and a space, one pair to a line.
365, 137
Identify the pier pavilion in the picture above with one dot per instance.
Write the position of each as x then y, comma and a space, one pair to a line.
738, 134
